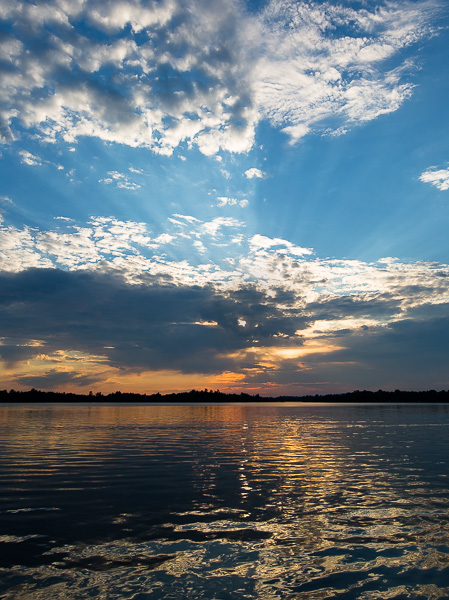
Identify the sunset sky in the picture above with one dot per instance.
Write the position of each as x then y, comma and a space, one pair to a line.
245, 196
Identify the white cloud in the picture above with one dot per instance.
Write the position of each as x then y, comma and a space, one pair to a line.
204, 72
128, 185
18, 251
121, 181
30, 159
254, 173
296, 132
437, 177
225, 201
310, 73
262, 242
213, 227
27, 158
164, 238
199, 246
187, 218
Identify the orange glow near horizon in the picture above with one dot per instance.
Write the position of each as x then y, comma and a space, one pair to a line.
78, 372
77, 366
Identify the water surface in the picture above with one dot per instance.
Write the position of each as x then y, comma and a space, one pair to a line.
304, 502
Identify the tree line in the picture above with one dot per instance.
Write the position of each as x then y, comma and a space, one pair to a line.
204, 396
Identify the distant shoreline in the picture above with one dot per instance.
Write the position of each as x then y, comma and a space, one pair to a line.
217, 397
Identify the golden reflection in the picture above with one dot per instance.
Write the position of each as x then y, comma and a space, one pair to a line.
291, 498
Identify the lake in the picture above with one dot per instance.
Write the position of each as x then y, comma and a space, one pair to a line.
218, 502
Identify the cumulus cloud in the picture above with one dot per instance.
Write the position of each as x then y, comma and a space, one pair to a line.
437, 177
201, 72
254, 173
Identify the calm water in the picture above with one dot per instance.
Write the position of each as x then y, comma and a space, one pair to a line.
224, 502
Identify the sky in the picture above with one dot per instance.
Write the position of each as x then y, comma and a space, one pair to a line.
250, 196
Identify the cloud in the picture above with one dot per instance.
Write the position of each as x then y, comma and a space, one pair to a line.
437, 177
72, 328
54, 379
254, 173
261, 242
104, 300
30, 159
141, 326
214, 226
226, 201
326, 62
202, 72
107, 244
36, 161
120, 180
73, 246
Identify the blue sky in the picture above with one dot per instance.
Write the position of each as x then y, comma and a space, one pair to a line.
244, 196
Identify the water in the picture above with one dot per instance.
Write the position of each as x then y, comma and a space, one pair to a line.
304, 502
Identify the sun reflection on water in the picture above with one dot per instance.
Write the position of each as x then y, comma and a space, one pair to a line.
219, 502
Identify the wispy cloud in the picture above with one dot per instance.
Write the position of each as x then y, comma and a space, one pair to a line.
327, 61
27, 158
226, 201
30, 159
437, 177
120, 180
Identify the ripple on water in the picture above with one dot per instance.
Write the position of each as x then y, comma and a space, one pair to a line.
224, 502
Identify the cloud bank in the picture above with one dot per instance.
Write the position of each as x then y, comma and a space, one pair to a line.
108, 301
201, 73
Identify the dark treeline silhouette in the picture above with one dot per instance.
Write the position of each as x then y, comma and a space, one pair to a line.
398, 396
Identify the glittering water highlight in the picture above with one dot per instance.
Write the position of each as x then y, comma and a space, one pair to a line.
303, 502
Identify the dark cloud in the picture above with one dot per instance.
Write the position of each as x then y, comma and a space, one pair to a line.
16, 350
356, 306
408, 354
143, 326
195, 329
54, 379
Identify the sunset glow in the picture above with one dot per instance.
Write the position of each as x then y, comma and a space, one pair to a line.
250, 196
